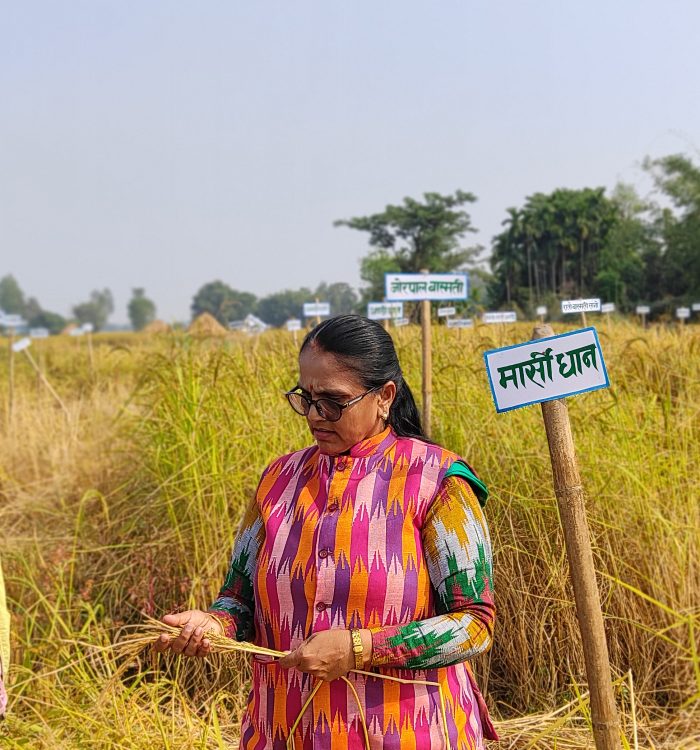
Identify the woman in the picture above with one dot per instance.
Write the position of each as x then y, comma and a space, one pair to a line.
367, 551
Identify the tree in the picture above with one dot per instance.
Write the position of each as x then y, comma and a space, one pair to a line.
223, 302
54, 322
279, 307
11, 296
678, 227
552, 245
340, 295
415, 235
142, 310
96, 310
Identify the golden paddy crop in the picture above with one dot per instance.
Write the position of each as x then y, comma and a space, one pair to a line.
126, 507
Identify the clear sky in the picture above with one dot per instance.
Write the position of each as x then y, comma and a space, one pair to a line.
167, 144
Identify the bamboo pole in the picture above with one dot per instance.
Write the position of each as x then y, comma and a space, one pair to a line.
48, 385
426, 345
572, 511
11, 381
91, 354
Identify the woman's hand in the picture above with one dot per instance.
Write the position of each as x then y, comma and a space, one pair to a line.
327, 655
191, 641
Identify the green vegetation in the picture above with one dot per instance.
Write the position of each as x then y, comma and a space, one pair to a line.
128, 507
142, 310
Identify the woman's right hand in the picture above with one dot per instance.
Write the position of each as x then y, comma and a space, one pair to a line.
191, 641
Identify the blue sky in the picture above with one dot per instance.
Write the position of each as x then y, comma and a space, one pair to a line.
167, 144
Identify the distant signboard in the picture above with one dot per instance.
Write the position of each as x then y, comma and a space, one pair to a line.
87, 327
682, 313
384, 310
398, 322
294, 324
696, 306
12, 321
643, 309
499, 317
541, 310
546, 369
460, 323
445, 312
411, 287
21, 344
316, 309
76, 332
607, 307
39, 333
580, 306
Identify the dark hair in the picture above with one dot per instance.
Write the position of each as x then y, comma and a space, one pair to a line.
368, 350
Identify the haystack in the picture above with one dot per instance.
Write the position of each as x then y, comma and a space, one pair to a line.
206, 325
68, 329
156, 326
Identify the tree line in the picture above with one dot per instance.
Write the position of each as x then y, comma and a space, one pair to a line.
94, 310
565, 244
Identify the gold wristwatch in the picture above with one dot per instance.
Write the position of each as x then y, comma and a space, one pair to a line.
357, 648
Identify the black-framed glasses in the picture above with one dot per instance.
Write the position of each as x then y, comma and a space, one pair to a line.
327, 408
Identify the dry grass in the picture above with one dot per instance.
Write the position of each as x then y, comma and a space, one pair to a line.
127, 507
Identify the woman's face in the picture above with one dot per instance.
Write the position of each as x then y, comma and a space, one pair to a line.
323, 375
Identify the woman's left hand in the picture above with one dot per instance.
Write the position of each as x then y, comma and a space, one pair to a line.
326, 655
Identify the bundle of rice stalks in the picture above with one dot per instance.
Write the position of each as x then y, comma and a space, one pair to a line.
147, 634
206, 325
156, 326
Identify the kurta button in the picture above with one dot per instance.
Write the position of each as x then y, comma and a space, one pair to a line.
323, 553
341, 466
320, 607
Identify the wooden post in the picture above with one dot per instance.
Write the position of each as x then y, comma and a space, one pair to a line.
11, 382
583, 318
427, 351
572, 510
45, 381
91, 354
318, 317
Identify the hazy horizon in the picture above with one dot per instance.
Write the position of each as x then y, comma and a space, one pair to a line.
168, 145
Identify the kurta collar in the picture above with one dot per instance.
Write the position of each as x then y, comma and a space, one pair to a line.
377, 444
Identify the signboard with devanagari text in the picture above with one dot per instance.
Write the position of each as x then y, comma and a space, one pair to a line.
546, 369
384, 310
580, 305
413, 287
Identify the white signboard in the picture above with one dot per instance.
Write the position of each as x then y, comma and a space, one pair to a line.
580, 305
12, 321
384, 310
410, 287
398, 322
76, 332
607, 307
87, 327
445, 312
696, 306
24, 343
546, 369
39, 333
499, 317
643, 309
460, 323
682, 313
541, 310
294, 324
316, 309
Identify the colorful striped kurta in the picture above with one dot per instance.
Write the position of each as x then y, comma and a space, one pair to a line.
381, 539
